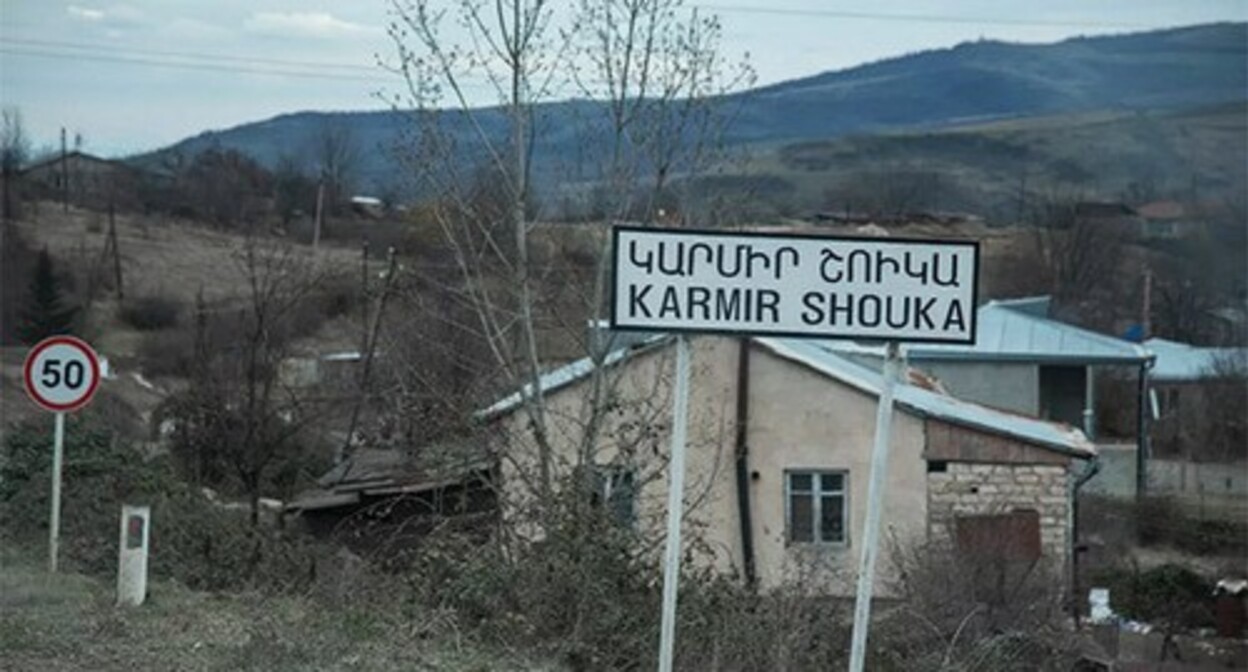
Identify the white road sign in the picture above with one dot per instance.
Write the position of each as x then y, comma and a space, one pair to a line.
62, 373
892, 289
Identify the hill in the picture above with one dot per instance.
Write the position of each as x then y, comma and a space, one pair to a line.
1193, 155
975, 81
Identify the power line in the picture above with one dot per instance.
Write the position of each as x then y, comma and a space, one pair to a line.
213, 67
203, 61
112, 49
917, 18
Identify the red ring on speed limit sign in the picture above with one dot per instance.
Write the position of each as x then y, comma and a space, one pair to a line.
61, 373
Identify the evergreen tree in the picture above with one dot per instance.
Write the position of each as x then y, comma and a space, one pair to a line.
45, 312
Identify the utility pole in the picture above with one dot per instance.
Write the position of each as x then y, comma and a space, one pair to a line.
364, 295
112, 243
64, 174
320, 209
370, 347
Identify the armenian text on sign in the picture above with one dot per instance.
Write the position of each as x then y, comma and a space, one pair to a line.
794, 285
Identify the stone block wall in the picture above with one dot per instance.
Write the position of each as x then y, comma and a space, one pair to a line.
966, 488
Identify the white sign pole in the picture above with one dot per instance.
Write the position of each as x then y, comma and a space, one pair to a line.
875, 504
54, 525
61, 374
675, 505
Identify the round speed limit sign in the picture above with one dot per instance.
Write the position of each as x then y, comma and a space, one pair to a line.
61, 373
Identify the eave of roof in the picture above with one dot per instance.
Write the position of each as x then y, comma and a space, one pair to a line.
1182, 363
918, 400
567, 374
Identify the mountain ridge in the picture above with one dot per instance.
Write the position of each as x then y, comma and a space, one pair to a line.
972, 81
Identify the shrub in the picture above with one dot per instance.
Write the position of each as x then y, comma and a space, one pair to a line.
1163, 521
167, 353
589, 593
1169, 594
151, 313
194, 540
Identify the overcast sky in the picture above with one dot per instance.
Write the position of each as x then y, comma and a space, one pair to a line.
140, 74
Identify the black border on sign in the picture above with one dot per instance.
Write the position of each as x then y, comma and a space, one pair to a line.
46, 343
615, 246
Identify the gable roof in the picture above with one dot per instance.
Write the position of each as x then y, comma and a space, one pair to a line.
925, 398
76, 154
1180, 362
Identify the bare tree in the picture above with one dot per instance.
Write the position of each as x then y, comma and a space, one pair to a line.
651, 71
1079, 256
240, 422
336, 154
1222, 412
14, 151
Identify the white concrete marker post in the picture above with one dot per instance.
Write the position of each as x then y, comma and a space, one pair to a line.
136, 522
675, 505
61, 374
875, 504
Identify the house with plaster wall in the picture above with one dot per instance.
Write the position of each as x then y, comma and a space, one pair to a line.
779, 448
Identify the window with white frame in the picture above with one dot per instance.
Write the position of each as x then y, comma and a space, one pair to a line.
817, 507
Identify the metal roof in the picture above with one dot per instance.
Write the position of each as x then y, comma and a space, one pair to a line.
568, 374
1019, 330
1180, 362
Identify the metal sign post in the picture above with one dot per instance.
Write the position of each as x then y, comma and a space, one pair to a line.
875, 504
54, 521
61, 374
675, 506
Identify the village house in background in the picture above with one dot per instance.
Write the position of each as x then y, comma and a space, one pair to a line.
83, 180
1167, 220
780, 436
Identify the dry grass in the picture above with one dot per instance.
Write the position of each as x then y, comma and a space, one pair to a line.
69, 622
159, 255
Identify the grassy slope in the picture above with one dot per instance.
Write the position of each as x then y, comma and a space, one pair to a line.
160, 256
69, 622
1194, 151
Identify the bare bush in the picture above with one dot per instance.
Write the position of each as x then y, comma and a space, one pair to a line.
979, 611
151, 313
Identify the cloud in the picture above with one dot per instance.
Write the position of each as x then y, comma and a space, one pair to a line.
85, 13
303, 24
116, 14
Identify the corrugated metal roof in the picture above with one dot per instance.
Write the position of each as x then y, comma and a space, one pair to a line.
1018, 331
1180, 362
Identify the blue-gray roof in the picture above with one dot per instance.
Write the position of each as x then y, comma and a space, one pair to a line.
1019, 331
1180, 362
